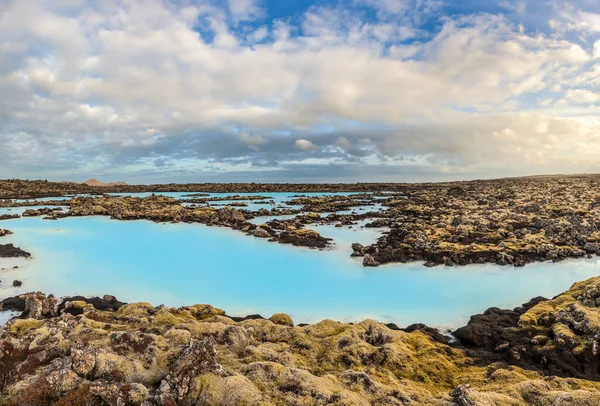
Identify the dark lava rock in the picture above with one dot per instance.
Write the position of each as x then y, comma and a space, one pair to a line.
107, 302
248, 317
430, 331
9, 216
493, 327
17, 283
10, 251
16, 303
553, 344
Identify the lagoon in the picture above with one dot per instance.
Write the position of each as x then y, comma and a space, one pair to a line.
182, 264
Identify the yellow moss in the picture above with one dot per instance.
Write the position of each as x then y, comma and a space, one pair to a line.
235, 390
22, 326
165, 317
110, 365
178, 336
135, 310
204, 311
545, 308
325, 328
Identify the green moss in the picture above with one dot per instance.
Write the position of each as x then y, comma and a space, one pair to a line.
23, 326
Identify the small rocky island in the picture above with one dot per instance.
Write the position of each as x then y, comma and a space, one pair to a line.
100, 351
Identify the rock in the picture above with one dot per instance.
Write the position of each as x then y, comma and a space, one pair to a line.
261, 233
84, 361
488, 330
17, 283
282, 319
462, 396
10, 251
248, 317
121, 393
107, 302
39, 306
230, 216
430, 331
16, 303
199, 357
151, 356
4, 232
370, 261
304, 238
380, 222
358, 250
591, 247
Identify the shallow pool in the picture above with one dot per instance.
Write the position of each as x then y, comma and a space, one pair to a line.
182, 264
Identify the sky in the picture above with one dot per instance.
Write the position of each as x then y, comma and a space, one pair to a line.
150, 91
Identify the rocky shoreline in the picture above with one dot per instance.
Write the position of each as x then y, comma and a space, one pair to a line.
100, 351
504, 221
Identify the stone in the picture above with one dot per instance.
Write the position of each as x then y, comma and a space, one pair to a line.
370, 261
282, 319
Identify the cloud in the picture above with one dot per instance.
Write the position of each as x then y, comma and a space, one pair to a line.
304, 145
244, 9
213, 87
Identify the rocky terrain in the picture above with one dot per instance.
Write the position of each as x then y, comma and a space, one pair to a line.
31, 189
100, 351
511, 221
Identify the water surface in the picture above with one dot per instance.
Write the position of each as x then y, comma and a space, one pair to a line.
182, 264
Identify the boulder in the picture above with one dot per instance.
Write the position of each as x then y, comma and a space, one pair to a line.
282, 319
261, 233
370, 261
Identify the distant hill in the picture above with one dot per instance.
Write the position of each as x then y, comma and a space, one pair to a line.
96, 182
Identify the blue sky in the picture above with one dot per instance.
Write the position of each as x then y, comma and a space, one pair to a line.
266, 90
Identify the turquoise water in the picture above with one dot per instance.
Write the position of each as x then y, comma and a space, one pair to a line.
275, 200
182, 264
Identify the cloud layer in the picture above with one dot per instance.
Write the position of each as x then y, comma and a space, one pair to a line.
150, 91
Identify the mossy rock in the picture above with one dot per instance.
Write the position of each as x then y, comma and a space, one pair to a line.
282, 319
22, 326
135, 310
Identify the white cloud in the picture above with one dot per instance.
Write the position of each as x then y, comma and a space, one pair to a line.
128, 83
582, 96
304, 145
596, 51
244, 9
